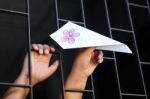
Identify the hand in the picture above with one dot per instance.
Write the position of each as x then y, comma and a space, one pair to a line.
40, 57
86, 61
84, 64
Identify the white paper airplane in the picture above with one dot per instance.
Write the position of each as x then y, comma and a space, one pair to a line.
72, 36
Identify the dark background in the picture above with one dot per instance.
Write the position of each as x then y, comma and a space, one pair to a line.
121, 76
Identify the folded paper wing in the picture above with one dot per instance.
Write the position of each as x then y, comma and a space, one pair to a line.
72, 36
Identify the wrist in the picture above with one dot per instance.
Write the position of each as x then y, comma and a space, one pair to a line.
18, 92
76, 81
79, 76
22, 79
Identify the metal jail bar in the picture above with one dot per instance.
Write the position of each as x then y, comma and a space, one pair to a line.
61, 67
83, 16
109, 25
132, 27
14, 12
27, 14
129, 31
29, 50
30, 86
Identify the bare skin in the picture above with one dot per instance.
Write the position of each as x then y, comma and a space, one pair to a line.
83, 66
40, 57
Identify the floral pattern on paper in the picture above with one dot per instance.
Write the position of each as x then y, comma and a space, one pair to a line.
69, 36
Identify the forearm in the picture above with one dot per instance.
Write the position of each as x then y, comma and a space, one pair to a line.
18, 92
75, 81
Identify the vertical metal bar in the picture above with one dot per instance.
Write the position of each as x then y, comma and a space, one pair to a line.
135, 45
60, 58
109, 25
83, 16
147, 1
93, 90
57, 14
62, 76
29, 50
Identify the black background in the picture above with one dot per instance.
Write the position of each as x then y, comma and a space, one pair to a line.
121, 76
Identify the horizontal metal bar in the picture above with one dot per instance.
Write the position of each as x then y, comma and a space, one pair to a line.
145, 63
13, 11
15, 85
124, 30
110, 58
131, 94
80, 91
138, 5
71, 21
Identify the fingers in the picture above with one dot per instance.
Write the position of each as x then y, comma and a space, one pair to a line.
35, 47
97, 57
100, 57
43, 49
52, 68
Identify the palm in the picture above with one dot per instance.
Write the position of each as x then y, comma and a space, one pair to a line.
87, 60
40, 66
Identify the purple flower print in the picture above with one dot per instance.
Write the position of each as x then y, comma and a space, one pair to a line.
69, 36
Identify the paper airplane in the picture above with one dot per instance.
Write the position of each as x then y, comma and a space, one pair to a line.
72, 36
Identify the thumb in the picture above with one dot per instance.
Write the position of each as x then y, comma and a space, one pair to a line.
52, 68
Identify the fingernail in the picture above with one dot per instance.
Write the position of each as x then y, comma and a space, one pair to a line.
46, 51
41, 51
